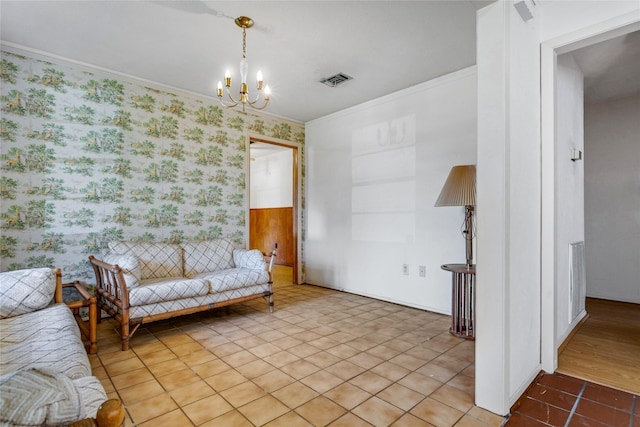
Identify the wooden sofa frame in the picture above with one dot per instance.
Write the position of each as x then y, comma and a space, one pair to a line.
113, 298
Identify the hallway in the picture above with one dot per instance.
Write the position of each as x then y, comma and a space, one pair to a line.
606, 347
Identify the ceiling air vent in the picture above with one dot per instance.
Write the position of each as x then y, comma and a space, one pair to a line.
334, 81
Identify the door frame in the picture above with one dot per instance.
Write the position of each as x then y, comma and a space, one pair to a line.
549, 52
297, 195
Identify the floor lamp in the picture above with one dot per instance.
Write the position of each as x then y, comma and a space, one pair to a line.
460, 190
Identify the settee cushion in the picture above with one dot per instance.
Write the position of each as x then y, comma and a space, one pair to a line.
23, 291
157, 260
209, 299
130, 266
167, 289
43, 339
234, 278
162, 307
249, 258
212, 255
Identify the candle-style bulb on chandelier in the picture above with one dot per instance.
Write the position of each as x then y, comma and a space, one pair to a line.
263, 95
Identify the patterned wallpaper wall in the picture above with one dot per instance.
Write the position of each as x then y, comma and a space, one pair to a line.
88, 157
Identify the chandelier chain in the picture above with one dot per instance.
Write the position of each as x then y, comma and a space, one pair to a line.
244, 42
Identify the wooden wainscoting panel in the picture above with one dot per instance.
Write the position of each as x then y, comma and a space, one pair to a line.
273, 225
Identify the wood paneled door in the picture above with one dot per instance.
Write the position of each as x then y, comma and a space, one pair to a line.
269, 226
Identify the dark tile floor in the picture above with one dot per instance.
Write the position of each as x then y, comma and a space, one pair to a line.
560, 400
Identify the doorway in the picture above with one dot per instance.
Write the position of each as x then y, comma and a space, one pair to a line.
603, 348
551, 285
274, 204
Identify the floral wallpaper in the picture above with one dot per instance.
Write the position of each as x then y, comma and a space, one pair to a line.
88, 157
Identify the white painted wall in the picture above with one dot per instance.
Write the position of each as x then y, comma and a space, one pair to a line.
374, 173
272, 180
561, 17
612, 199
508, 267
491, 302
510, 157
524, 203
570, 183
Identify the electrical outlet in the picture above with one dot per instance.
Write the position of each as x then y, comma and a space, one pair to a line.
405, 269
422, 272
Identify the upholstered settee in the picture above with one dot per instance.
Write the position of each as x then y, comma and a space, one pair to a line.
137, 283
45, 375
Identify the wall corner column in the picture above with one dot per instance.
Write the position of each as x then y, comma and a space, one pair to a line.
492, 168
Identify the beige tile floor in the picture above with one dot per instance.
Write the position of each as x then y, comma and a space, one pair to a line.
322, 358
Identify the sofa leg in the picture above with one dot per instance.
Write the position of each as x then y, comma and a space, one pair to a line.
126, 332
110, 414
125, 336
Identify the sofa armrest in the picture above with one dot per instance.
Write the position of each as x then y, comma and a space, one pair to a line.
111, 285
270, 258
112, 296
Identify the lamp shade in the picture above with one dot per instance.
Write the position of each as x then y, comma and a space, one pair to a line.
460, 187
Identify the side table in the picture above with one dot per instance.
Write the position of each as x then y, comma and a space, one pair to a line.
76, 296
463, 299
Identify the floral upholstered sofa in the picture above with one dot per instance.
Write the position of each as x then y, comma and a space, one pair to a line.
45, 375
138, 283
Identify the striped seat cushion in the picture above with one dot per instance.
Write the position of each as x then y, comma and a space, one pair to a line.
45, 338
168, 289
234, 278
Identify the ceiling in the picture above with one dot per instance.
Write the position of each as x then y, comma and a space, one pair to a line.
385, 46
611, 68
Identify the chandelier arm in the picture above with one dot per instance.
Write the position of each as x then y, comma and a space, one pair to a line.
224, 104
255, 100
232, 98
259, 108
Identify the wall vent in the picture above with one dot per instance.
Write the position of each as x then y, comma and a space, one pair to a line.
578, 282
335, 80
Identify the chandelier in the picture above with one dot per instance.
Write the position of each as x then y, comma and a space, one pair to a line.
262, 96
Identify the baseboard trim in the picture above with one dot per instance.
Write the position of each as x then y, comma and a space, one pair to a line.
564, 343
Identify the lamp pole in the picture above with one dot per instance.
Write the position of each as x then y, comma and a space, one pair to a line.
468, 233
